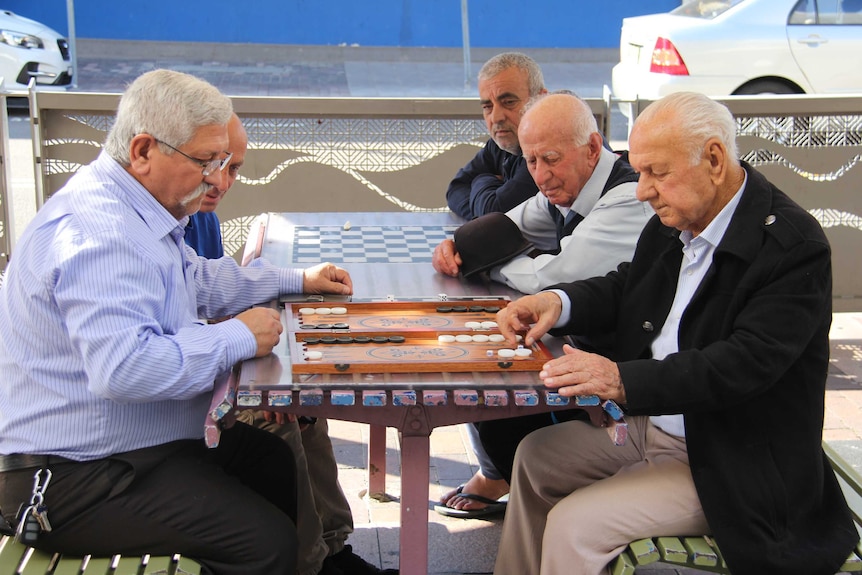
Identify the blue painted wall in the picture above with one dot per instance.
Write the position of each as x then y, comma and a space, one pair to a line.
431, 23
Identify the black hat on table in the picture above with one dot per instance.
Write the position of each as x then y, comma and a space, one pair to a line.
488, 241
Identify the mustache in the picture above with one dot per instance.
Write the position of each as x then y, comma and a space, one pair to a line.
504, 126
196, 193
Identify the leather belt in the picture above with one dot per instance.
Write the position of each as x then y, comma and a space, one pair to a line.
18, 461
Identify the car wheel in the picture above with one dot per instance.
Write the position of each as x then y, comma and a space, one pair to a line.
766, 87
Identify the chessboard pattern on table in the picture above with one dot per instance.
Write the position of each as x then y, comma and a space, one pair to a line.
367, 244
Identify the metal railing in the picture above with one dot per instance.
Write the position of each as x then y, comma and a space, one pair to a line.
305, 154
5, 198
399, 154
810, 147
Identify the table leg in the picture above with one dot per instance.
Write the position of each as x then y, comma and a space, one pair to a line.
415, 458
377, 461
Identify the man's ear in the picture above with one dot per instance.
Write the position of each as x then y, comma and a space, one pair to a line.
716, 154
595, 144
141, 151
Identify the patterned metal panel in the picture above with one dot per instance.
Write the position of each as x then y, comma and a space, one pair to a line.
817, 160
302, 163
382, 155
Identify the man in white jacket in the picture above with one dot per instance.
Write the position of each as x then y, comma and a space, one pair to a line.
585, 219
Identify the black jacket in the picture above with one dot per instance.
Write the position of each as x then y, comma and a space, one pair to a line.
749, 378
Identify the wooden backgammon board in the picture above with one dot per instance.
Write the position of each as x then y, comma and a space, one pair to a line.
404, 337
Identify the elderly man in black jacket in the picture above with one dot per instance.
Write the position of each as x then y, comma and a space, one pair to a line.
722, 322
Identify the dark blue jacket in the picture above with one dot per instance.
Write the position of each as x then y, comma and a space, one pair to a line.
493, 181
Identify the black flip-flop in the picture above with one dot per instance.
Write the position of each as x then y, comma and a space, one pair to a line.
492, 506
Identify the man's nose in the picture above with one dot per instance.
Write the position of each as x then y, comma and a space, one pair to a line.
644, 190
541, 174
497, 114
218, 180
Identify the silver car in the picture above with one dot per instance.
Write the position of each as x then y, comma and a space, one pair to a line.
28, 50
726, 47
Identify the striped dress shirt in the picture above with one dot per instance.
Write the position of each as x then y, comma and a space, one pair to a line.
101, 348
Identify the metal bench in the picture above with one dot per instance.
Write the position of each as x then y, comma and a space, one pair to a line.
18, 559
703, 554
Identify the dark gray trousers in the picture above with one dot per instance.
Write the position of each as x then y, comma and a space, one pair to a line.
232, 508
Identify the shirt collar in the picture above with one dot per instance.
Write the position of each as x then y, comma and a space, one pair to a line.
152, 213
715, 230
592, 190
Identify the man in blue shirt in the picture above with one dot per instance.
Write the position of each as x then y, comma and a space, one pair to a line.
106, 372
324, 518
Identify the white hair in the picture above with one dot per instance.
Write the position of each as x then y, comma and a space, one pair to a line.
168, 105
702, 118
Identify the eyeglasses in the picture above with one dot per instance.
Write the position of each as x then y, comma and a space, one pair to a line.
209, 166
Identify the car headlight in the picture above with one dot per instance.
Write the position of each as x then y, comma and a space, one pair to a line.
20, 39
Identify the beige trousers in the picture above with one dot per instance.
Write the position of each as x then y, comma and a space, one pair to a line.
577, 499
324, 519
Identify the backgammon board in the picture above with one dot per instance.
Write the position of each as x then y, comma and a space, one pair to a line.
404, 337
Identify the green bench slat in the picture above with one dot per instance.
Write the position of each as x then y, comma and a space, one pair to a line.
644, 551
623, 565
672, 550
700, 551
853, 564
123, 565
18, 559
69, 566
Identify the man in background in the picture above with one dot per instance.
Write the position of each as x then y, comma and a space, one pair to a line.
324, 519
496, 179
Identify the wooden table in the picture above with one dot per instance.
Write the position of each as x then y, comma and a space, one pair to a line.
414, 403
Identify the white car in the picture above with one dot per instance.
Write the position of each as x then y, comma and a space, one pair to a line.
29, 49
727, 47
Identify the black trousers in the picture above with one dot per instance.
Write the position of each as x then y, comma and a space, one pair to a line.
500, 437
233, 509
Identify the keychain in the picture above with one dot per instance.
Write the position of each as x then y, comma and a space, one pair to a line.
34, 519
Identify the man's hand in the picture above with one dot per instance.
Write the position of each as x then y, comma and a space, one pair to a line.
446, 259
326, 278
580, 373
265, 324
541, 311
279, 417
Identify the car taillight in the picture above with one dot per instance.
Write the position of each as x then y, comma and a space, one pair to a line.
666, 60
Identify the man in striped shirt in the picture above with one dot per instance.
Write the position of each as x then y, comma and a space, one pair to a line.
106, 372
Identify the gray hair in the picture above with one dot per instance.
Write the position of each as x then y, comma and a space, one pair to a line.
702, 118
583, 121
506, 60
168, 105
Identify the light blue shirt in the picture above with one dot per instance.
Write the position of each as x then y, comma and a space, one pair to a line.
101, 348
697, 252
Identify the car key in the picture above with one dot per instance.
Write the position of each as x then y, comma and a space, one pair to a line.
28, 527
